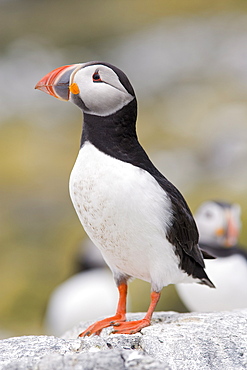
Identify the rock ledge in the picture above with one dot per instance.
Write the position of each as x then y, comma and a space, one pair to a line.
173, 341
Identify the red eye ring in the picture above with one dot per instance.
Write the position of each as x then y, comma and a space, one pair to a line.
96, 77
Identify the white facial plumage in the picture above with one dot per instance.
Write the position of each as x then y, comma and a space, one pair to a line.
211, 217
103, 97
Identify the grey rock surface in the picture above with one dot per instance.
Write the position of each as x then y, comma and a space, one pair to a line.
173, 341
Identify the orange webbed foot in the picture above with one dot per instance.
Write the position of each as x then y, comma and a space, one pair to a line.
109, 321
105, 323
130, 327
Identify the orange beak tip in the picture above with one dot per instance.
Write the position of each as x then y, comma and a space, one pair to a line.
40, 87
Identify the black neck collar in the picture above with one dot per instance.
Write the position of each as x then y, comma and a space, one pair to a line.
218, 251
116, 136
113, 128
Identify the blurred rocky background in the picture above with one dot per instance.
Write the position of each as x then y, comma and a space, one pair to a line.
188, 64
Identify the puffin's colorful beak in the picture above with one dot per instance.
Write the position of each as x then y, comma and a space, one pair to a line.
230, 232
56, 82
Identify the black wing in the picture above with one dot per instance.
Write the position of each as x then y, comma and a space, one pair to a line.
183, 233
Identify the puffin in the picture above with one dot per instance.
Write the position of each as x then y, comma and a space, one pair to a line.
138, 219
93, 279
219, 225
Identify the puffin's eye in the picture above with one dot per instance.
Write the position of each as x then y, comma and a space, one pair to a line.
96, 77
208, 214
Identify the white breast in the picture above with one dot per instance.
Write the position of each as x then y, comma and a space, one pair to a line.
125, 213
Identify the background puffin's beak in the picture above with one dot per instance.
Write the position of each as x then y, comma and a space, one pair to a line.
56, 82
232, 232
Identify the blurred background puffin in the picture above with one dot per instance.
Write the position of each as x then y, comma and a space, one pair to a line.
219, 225
94, 282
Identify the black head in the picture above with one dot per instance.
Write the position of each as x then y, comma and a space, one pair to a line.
98, 88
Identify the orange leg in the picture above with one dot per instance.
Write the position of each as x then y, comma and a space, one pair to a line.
120, 315
132, 327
